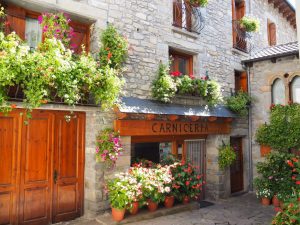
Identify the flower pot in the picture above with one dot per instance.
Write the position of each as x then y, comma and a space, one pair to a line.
117, 214
169, 201
275, 201
135, 208
264, 150
281, 204
186, 200
152, 206
265, 201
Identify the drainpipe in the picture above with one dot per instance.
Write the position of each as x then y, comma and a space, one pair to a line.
250, 166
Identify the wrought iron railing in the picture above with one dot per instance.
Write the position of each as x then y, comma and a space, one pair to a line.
188, 17
242, 40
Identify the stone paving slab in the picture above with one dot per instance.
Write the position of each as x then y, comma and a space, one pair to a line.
240, 210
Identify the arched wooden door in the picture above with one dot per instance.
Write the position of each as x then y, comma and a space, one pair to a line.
41, 169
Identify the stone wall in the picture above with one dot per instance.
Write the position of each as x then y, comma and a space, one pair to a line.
262, 76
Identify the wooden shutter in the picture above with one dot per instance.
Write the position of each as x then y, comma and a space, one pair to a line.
240, 10
81, 37
272, 34
177, 13
188, 17
234, 34
244, 82
16, 18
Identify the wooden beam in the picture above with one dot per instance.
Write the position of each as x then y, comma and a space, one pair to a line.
150, 116
229, 119
283, 8
121, 116
212, 118
173, 117
194, 118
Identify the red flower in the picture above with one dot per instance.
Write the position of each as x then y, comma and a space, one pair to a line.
295, 159
192, 76
290, 163
298, 199
13, 106
293, 177
176, 74
187, 183
298, 182
109, 56
272, 106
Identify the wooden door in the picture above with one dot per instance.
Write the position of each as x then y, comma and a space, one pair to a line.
36, 159
9, 157
236, 170
68, 167
32, 157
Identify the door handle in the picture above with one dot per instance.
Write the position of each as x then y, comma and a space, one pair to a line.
55, 176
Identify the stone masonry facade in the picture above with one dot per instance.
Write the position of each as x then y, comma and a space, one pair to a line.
262, 76
147, 24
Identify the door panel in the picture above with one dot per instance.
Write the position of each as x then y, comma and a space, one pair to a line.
68, 188
35, 185
236, 169
9, 142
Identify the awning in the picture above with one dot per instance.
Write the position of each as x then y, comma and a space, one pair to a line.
146, 106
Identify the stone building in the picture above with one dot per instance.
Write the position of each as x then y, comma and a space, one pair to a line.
209, 42
274, 79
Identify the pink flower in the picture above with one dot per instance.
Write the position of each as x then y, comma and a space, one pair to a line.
40, 19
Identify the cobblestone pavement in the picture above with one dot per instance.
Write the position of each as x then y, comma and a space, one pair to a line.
241, 210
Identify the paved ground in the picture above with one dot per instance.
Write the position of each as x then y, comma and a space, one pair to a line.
241, 210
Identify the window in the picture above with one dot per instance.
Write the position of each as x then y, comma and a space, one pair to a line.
271, 33
181, 62
182, 14
278, 92
25, 24
238, 35
295, 89
241, 81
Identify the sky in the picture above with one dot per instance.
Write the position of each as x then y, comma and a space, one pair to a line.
293, 2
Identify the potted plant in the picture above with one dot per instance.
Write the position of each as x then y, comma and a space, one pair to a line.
239, 103
249, 24
262, 137
197, 3
118, 197
263, 190
227, 156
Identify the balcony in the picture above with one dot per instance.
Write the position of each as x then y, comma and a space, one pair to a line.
242, 40
187, 17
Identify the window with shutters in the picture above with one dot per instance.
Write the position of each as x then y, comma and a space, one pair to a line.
181, 62
272, 33
238, 35
182, 14
241, 81
295, 90
24, 22
278, 92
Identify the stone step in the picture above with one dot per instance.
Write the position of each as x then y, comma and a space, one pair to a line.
144, 214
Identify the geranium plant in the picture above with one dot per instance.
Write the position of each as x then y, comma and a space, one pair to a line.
250, 24
108, 147
227, 156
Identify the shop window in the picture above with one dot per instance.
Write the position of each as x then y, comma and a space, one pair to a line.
241, 81
278, 92
295, 89
238, 35
272, 33
182, 14
182, 63
24, 22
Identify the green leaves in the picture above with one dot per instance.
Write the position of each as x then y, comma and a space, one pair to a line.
239, 103
227, 156
250, 24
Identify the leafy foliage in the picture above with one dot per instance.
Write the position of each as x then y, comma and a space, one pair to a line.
250, 24
283, 131
239, 103
263, 188
114, 47
227, 156
201, 3
164, 87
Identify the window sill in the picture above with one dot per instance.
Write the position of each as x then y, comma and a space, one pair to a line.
234, 50
185, 32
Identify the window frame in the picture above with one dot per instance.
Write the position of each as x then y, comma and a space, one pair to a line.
272, 40
239, 84
291, 91
175, 55
272, 91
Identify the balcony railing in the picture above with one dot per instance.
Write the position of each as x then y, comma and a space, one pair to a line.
242, 40
188, 17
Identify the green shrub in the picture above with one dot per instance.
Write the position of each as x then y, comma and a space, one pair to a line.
239, 103
227, 156
185, 86
250, 24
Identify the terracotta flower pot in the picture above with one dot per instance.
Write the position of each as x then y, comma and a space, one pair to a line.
264, 150
281, 204
135, 208
275, 201
117, 214
265, 201
169, 201
152, 206
186, 200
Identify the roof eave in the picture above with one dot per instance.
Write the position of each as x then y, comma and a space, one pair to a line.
271, 57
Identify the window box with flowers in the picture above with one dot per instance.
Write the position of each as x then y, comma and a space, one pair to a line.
166, 86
